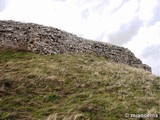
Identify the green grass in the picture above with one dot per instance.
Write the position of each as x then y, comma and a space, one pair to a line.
73, 86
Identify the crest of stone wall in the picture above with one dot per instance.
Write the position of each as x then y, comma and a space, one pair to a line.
49, 40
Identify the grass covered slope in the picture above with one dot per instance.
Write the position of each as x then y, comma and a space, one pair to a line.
73, 87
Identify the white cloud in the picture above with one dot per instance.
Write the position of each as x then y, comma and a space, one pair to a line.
151, 56
120, 37
146, 36
3, 4
146, 10
30, 10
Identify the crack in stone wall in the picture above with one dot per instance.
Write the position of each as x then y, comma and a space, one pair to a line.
49, 40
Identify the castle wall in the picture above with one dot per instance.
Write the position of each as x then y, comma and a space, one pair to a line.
49, 40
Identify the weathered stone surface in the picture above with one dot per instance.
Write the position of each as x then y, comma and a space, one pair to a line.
49, 40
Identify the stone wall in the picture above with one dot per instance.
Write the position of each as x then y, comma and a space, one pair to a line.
49, 40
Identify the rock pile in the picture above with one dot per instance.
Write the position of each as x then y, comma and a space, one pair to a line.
49, 40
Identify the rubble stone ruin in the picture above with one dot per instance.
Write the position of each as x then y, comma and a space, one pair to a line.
49, 40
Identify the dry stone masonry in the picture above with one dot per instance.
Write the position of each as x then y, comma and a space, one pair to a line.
49, 40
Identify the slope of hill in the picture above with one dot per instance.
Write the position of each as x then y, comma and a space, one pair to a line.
49, 40
71, 86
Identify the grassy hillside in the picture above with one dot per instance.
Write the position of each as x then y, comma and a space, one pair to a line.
73, 87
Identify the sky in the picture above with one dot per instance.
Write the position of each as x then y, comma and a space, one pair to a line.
134, 24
